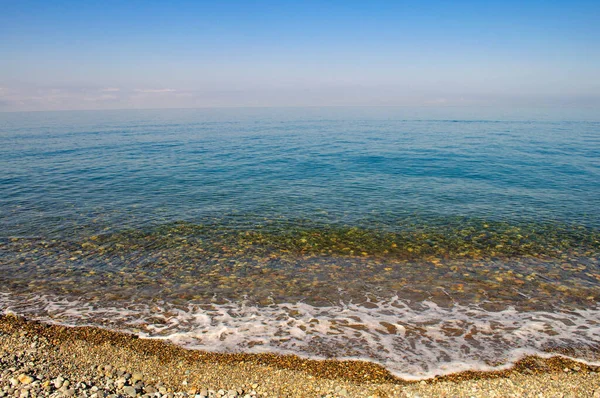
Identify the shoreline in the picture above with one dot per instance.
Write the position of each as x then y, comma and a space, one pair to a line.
74, 352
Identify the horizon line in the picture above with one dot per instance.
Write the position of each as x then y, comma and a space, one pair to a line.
546, 106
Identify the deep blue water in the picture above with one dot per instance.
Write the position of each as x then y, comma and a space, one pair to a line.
130, 168
211, 226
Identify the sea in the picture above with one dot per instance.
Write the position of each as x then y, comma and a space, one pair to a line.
428, 240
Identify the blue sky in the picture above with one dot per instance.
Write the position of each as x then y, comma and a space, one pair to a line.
110, 55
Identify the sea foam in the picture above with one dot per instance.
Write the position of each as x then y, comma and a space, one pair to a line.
412, 340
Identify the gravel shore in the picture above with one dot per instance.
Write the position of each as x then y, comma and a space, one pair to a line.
39, 360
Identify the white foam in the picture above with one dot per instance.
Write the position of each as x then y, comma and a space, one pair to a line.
412, 343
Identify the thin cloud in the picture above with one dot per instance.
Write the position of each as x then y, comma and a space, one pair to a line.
104, 97
154, 90
110, 89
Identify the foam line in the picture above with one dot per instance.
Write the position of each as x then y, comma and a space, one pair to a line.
413, 341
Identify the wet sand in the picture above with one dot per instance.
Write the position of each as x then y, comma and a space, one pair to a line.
93, 355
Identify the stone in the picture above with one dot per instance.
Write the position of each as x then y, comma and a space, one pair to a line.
25, 379
130, 391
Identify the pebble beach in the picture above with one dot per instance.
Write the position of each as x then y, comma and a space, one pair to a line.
42, 360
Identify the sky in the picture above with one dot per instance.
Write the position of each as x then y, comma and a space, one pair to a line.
62, 55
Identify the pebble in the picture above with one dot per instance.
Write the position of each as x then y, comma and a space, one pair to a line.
130, 391
150, 390
25, 379
136, 376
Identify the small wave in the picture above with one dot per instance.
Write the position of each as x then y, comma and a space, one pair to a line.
412, 340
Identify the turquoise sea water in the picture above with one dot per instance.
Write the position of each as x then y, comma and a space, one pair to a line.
428, 240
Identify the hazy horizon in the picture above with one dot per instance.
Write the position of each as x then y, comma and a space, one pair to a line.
143, 55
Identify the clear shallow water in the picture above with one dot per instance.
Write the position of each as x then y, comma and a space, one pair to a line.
428, 240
